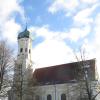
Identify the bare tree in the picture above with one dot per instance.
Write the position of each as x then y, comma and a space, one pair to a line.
89, 86
23, 83
6, 65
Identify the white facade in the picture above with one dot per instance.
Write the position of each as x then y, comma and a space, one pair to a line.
24, 51
57, 92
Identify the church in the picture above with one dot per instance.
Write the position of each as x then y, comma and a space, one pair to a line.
59, 82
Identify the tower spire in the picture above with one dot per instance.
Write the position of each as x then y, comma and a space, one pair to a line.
26, 26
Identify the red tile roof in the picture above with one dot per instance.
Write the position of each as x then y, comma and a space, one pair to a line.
61, 73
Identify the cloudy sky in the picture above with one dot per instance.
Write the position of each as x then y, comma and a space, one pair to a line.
59, 28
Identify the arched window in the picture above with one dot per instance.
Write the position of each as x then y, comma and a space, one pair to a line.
25, 49
63, 96
49, 97
21, 50
29, 51
37, 97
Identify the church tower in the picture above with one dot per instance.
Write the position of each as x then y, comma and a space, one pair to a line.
24, 48
23, 66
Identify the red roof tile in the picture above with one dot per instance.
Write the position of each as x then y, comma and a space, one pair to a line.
61, 73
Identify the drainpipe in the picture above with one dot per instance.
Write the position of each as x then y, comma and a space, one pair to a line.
55, 90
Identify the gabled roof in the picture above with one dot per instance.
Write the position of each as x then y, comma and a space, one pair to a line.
61, 73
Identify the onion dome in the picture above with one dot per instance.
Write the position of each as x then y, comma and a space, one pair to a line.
24, 34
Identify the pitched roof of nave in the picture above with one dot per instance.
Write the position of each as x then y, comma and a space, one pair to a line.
62, 73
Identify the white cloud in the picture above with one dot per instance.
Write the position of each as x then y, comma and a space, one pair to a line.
10, 30
78, 33
8, 26
7, 8
63, 5
74, 33
44, 31
84, 16
52, 52
89, 1
71, 7
97, 29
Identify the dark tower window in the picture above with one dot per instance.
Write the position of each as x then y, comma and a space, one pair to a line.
49, 97
63, 96
25, 49
29, 51
21, 49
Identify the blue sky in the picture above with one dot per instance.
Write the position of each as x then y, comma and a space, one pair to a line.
59, 27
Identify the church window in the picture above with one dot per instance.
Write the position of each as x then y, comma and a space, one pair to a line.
25, 49
37, 97
49, 97
63, 96
29, 51
21, 49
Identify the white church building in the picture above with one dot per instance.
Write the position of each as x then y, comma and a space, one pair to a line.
57, 82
